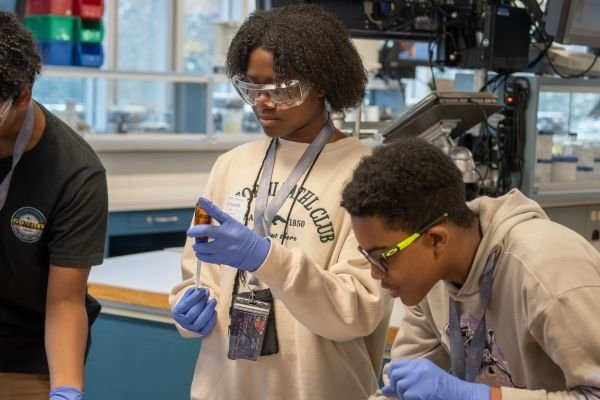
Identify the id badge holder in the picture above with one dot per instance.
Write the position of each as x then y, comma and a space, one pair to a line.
247, 330
270, 342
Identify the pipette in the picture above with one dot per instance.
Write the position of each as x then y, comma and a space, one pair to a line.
200, 218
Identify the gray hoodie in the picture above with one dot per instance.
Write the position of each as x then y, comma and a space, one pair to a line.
543, 333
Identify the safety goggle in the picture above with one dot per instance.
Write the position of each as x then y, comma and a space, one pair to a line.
4, 110
380, 261
281, 95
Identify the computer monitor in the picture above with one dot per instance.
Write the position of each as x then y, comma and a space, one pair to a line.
14, 6
443, 113
574, 22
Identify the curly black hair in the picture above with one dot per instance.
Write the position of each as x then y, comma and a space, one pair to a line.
408, 184
20, 62
305, 41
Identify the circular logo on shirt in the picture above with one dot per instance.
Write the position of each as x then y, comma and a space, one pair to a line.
27, 224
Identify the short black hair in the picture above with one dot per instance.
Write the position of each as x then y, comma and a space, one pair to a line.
20, 62
408, 184
306, 41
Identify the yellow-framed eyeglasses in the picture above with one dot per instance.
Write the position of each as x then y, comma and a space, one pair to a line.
379, 262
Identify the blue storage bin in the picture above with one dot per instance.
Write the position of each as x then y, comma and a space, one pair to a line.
56, 52
89, 55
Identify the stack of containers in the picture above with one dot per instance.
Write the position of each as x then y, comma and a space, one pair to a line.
68, 32
89, 31
53, 26
543, 156
584, 152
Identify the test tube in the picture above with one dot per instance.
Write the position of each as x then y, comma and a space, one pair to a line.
200, 218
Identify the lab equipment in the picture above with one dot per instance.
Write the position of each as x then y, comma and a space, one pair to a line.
422, 379
565, 107
200, 218
195, 311
233, 243
66, 393
440, 118
468, 34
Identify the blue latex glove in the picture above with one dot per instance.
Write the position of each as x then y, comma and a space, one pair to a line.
66, 393
195, 311
232, 243
421, 379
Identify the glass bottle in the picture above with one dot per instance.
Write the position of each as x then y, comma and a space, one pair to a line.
201, 218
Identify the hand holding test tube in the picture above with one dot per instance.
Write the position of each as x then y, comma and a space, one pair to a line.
200, 218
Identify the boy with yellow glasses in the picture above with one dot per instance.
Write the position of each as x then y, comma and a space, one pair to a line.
495, 293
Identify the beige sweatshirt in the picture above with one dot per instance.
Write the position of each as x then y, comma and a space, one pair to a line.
544, 307
331, 316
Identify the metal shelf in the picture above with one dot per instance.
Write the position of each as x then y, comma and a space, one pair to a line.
78, 72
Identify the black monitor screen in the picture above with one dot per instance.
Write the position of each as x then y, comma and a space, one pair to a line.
574, 21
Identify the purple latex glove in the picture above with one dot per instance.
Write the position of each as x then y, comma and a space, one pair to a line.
421, 379
66, 393
195, 311
231, 243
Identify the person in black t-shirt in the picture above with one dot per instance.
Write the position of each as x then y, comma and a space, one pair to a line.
53, 214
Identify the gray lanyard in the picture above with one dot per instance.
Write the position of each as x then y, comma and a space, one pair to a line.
263, 213
466, 362
20, 145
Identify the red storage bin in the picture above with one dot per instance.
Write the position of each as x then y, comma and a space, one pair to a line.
88, 9
54, 7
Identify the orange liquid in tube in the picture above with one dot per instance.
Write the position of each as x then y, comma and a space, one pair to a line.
201, 218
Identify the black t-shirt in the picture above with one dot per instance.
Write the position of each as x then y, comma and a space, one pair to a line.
55, 214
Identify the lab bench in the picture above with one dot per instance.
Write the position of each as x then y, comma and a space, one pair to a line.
136, 350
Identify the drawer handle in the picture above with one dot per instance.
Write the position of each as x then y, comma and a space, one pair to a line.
162, 220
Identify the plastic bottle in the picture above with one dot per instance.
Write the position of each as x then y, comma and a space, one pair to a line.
71, 117
543, 171
571, 145
586, 155
545, 141
564, 169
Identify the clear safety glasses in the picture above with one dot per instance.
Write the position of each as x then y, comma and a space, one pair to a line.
281, 95
4, 110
